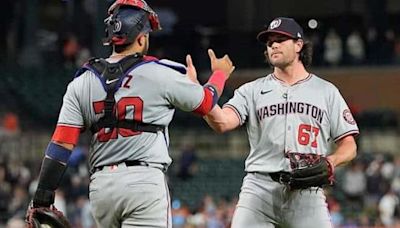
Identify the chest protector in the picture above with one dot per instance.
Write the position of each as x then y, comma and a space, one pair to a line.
111, 76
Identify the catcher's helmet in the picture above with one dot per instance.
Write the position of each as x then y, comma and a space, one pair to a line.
128, 18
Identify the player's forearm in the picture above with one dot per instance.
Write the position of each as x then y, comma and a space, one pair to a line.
221, 120
345, 151
53, 168
213, 119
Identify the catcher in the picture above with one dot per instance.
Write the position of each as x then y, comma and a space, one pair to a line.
291, 116
127, 101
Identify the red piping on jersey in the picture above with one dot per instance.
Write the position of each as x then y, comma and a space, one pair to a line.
352, 132
234, 110
298, 82
149, 58
206, 104
66, 134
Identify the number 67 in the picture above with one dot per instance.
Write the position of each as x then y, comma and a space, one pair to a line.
305, 133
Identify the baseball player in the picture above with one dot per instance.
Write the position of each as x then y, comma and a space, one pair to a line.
291, 116
127, 101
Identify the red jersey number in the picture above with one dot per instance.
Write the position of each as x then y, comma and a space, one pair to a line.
306, 134
124, 106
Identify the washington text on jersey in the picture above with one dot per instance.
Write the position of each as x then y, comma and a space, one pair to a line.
291, 108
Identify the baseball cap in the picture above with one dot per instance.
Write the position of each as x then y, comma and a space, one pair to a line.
282, 25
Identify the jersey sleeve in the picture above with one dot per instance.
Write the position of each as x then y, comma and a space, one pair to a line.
341, 119
240, 102
181, 92
70, 119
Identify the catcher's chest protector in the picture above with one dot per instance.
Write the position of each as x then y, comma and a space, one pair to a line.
111, 76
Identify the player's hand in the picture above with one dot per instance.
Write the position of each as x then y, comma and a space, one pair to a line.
223, 64
41, 216
191, 70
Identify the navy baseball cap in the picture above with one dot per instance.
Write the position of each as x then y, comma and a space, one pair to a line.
282, 25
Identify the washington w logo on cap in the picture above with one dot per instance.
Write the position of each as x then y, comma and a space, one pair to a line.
275, 23
117, 26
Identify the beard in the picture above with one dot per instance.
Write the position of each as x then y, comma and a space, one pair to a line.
281, 62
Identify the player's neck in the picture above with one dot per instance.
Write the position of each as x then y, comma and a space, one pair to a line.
291, 74
123, 54
133, 49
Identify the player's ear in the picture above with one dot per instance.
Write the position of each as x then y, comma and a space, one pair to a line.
298, 45
141, 39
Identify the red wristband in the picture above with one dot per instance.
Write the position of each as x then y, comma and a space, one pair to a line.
218, 79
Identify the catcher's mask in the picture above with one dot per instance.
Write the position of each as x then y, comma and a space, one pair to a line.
127, 19
48, 219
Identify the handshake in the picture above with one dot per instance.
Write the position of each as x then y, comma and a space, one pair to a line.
223, 64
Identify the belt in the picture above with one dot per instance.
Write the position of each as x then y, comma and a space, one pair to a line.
280, 177
127, 163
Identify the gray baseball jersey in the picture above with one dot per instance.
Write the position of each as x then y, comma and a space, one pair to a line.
304, 118
149, 94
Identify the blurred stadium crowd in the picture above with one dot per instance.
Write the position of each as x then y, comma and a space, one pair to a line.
36, 69
366, 193
65, 33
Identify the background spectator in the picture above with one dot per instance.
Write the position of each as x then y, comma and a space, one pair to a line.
355, 48
333, 49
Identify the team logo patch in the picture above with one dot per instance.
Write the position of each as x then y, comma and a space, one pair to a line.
275, 23
117, 26
348, 117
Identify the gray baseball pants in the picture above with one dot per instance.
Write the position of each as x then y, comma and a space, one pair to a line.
134, 196
268, 204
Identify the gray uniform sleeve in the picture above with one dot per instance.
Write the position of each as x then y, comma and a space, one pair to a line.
341, 120
181, 92
240, 102
71, 113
